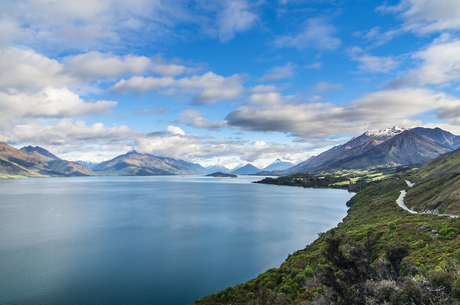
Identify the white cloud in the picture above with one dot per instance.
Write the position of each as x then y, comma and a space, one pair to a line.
315, 122
194, 118
316, 33
206, 89
212, 87
140, 84
28, 69
49, 102
235, 17
325, 86
427, 16
277, 73
270, 98
374, 64
440, 65
94, 65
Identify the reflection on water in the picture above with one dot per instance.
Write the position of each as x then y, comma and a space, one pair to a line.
149, 240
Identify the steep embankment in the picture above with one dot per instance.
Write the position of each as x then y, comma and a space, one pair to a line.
379, 254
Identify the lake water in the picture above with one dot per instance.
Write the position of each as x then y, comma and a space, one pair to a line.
149, 240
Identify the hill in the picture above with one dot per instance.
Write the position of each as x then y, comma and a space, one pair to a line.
139, 164
379, 254
248, 169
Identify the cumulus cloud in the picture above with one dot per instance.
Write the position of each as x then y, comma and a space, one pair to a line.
206, 89
316, 33
440, 65
374, 64
49, 102
194, 118
315, 122
210, 87
426, 16
236, 16
277, 73
94, 65
27, 69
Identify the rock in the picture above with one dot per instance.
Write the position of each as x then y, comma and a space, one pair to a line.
433, 233
422, 228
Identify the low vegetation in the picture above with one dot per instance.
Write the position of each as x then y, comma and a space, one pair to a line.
379, 254
351, 180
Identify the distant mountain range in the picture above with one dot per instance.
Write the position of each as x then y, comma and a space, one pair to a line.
139, 164
389, 147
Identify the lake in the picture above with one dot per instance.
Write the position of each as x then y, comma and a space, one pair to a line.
149, 240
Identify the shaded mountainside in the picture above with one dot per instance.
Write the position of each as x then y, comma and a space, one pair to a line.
441, 137
217, 168
248, 169
373, 149
354, 147
405, 148
278, 165
379, 254
37, 151
138, 164
18, 163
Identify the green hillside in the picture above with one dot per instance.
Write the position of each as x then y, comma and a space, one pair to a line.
379, 254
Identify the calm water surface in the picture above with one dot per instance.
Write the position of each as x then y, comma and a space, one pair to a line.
149, 240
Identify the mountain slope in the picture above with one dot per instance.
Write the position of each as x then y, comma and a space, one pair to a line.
278, 165
56, 164
248, 169
39, 152
138, 164
439, 136
354, 147
405, 148
14, 162
217, 168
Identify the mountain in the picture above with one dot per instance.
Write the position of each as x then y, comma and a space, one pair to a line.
37, 151
354, 147
441, 137
278, 165
15, 162
407, 147
248, 169
217, 168
86, 163
139, 164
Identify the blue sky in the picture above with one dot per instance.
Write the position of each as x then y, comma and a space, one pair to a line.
225, 82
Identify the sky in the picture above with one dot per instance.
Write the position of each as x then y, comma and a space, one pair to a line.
223, 82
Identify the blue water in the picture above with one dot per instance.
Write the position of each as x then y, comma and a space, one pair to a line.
149, 240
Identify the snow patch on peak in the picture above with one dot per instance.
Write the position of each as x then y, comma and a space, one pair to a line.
387, 132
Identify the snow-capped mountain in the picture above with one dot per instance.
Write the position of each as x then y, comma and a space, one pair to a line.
278, 165
387, 132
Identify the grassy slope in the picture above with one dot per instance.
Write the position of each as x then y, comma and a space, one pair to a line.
375, 225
